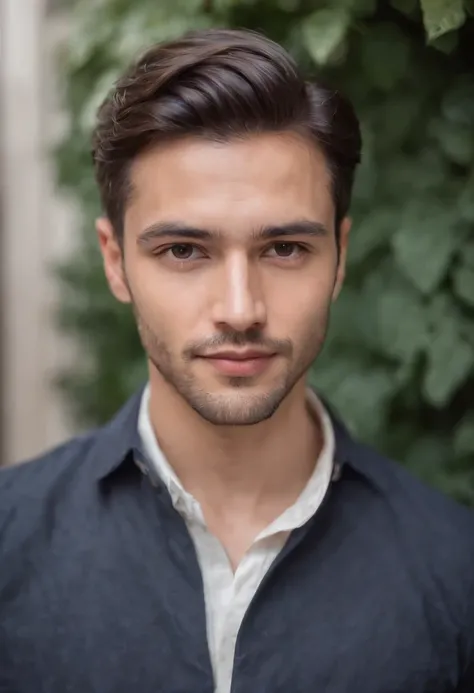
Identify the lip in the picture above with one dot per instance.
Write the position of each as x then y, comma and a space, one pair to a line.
239, 355
243, 364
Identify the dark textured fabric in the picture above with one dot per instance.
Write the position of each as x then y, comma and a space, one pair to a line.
101, 592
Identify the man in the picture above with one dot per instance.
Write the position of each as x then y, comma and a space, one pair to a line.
224, 532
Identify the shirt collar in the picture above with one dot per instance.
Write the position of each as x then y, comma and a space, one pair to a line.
118, 442
156, 456
295, 515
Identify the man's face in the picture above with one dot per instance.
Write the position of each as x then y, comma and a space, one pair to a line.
230, 261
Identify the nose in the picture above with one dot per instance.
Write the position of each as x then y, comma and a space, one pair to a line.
239, 304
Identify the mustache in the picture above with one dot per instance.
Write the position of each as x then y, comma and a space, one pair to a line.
249, 338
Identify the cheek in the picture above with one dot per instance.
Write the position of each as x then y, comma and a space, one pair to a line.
168, 310
302, 300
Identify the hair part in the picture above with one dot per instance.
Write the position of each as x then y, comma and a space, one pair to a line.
218, 84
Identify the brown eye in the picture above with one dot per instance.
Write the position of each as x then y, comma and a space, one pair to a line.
182, 251
285, 249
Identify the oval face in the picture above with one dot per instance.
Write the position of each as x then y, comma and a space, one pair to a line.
231, 263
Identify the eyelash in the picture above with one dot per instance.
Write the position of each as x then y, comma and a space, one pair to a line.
300, 248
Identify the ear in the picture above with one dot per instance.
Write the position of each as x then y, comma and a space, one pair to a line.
344, 230
113, 260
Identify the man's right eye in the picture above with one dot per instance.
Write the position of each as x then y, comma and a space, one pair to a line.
182, 251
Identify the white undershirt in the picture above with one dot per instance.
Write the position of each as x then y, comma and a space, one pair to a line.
228, 594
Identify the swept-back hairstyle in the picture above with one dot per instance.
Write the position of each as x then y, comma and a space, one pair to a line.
218, 84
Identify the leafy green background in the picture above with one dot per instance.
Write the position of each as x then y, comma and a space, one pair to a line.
399, 362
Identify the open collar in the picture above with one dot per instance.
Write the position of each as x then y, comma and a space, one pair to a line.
118, 442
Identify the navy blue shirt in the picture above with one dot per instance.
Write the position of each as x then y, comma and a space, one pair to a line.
101, 592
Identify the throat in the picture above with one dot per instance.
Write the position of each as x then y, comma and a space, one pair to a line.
245, 499
237, 528
224, 466
243, 478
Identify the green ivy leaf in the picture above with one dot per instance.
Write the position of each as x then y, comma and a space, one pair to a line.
386, 317
373, 231
466, 201
389, 40
468, 254
446, 43
369, 414
324, 31
288, 5
402, 321
427, 455
367, 178
441, 310
397, 118
464, 436
92, 32
456, 140
345, 323
441, 16
407, 7
450, 360
89, 110
457, 104
424, 244
411, 177
342, 377
361, 8
463, 283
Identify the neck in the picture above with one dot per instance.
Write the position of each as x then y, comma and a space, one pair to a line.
229, 466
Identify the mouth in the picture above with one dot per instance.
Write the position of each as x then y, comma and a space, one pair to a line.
243, 364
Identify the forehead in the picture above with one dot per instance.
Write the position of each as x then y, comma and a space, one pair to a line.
232, 186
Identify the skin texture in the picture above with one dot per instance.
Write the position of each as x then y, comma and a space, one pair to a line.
261, 274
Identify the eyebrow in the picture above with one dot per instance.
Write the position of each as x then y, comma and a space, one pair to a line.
166, 229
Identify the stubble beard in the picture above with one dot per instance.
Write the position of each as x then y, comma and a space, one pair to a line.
239, 407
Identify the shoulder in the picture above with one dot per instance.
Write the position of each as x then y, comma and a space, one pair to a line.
433, 536
44, 470
428, 519
35, 495
430, 515
29, 488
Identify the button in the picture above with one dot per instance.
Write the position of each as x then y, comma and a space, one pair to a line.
141, 466
336, 472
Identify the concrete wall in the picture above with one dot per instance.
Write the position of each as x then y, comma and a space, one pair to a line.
37, 228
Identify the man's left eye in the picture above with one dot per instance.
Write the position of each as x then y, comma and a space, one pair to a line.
285, 249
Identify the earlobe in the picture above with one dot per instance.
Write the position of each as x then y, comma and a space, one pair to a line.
112, 256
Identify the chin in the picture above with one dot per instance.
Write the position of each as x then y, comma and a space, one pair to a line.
233, 407
233, 417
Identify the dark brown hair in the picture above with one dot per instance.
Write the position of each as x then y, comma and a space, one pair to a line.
218, 84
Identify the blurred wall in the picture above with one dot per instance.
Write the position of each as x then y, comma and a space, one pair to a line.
37, 228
